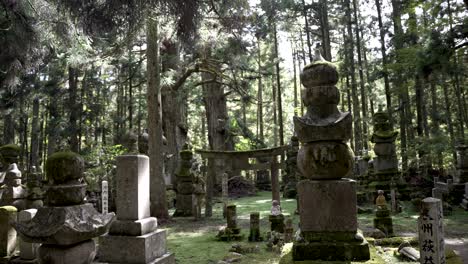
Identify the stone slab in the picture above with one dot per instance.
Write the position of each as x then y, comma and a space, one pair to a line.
167, 258
132, 249
81, 253
328, 206
331, 251
133, 187
133, 228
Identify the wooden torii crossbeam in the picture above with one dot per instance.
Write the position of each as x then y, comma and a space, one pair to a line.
240, 160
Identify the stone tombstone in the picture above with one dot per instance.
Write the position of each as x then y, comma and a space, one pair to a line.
225, 185
143, 143
288, 231
231, 231
8, 154
105, 197
28, 250
383, 220
185, 177
393, 201
431, 232
326, 194
8, 214
59, 224
34, 189
231, 216
255, 227
134, 237
290, 176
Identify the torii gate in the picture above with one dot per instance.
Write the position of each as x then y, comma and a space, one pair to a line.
239, 160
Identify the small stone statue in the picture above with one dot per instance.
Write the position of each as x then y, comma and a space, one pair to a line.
380, 201
275, 208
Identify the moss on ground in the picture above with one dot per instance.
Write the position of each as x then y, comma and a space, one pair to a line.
195, 241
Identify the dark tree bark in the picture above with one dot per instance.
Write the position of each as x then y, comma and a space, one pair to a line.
35, 130
74, 108
155, 133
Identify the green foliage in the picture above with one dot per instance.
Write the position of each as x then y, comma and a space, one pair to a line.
101, 163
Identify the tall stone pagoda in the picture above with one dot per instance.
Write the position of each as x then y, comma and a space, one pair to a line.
185, 184
326, 194
385, 175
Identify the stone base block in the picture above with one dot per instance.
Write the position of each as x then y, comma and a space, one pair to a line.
277, 223
24, 261
133, 228
230, 234
82, 253
132, 249
184, 205
331, 251
167, 258
384, 224
328, 206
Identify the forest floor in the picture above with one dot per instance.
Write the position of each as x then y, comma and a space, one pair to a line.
195, 242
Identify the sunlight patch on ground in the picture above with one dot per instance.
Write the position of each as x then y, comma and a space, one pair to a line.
263, 201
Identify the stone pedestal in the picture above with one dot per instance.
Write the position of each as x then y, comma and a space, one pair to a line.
462, 164
255, 227
134, 237
8, 215
383, 221
277, 223
431, 231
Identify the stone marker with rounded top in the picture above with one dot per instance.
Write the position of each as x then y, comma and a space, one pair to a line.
28, 250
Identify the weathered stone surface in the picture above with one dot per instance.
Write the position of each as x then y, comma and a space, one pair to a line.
104, 197
327, 251
319, 73
184, 205
8, 215
82, 253
334, 128
255, 227
133, 228
133, 187
328, 206
132, 249
277, 223
431, 231
65, 225
27, 250
231, 216
384, 163
325, 160
61, 195
62, 167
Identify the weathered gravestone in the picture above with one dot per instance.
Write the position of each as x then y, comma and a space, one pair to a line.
231, 231
383, 220
255, 227
59, 225
8, 215
134, 237
186, 199
28, 250
431, 232
327, 197
290, 177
